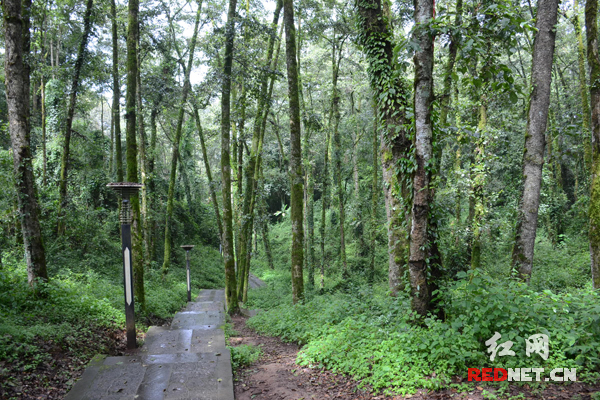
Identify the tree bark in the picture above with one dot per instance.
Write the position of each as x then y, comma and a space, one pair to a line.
17, 47
296, 181
116, 108
533, 157
591, 27
422, 193
391, 94
132, 150
64, 165
175, 155
227, 240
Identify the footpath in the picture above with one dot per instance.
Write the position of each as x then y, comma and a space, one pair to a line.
186, 361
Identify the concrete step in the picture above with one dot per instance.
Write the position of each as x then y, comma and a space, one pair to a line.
187, 361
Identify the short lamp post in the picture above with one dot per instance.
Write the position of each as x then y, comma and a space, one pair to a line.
187, 248
126, 190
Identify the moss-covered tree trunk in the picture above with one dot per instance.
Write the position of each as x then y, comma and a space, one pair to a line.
176, 140
391, 94
16, 16
132, 149
116, 108
583, 89
143, 163
227, 239
296, 181
537, 118
591, 27
64, 164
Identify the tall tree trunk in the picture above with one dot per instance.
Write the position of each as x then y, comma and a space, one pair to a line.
591, 27
64, 165
324, 207
143, 162
477, 192
337, 148
44, 152
422, 192
392, 96
116, 108
296, 192
227, 239
252, 169
583, 89
533, 158
211, 184
151, 221
131, 144
175, 155
17, 47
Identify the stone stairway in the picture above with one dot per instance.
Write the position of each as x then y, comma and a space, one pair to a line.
186, 361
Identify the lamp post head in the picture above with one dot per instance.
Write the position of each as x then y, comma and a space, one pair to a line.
125, 189
187, 247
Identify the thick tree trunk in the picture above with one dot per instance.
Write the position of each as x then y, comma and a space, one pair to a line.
296, 181
175, 155
132, 149
591, 27
17, 46
324, 207
227, 239
116, 108
64, 165
533, 158
422, 192
392, 96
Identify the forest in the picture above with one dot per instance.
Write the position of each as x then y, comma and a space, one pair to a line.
409, 178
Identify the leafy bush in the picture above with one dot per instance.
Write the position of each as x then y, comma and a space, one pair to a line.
244, 355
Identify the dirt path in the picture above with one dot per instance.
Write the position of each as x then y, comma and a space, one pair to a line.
276, 376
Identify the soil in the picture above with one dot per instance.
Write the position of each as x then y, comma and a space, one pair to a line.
276, 376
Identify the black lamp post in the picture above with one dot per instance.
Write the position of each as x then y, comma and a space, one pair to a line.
187, 248
126, 189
